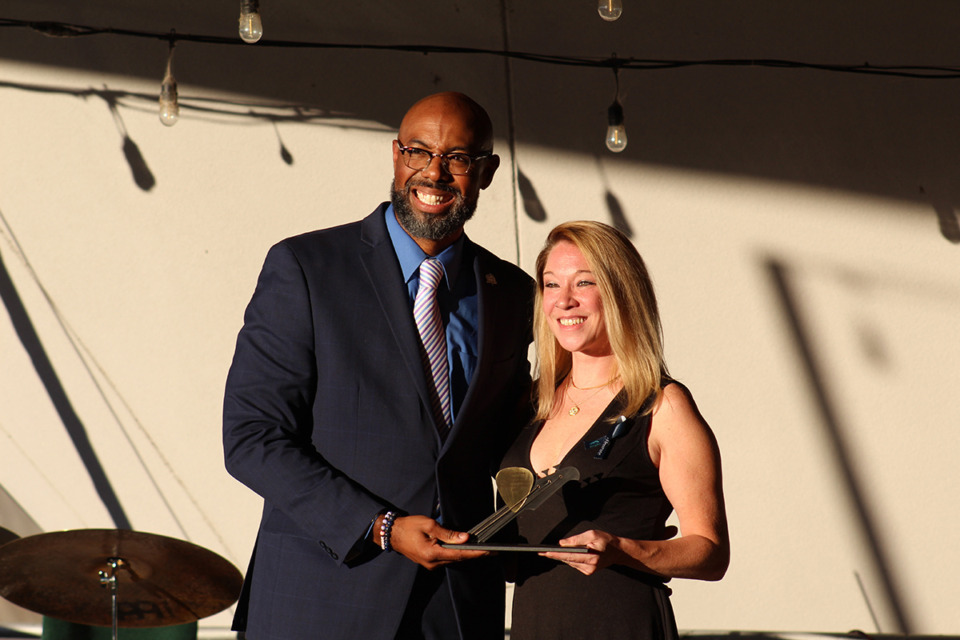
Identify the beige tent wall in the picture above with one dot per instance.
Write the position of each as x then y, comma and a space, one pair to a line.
802, 228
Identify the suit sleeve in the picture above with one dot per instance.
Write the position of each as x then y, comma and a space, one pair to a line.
267, 417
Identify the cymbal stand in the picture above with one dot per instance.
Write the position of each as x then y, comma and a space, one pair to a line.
111, 582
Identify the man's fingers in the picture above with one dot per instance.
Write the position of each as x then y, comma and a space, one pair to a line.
454, 537
419, 538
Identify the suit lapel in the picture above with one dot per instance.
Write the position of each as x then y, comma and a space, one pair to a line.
380, 265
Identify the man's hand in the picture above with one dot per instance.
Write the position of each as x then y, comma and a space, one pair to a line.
419, 537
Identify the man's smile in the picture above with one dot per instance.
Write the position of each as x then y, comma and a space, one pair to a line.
431, 199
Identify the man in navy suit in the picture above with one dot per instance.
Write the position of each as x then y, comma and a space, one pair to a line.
330, 411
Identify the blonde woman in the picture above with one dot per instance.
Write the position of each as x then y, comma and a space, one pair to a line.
606, 405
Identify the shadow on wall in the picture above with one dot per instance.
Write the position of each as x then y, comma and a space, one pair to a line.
143, 177
784, 283
534, 209
47, 374
949, 218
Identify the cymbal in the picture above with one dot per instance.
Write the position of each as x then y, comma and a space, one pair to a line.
160, 581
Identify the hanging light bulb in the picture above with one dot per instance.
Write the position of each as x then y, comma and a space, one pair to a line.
169, 108
616, 132
251, 27
609, 10
616, 139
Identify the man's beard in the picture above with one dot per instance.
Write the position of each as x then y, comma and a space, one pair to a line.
430, 227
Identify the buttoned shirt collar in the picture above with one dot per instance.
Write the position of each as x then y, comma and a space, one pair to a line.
411, 255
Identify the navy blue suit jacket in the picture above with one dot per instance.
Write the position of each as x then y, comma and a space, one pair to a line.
327, 417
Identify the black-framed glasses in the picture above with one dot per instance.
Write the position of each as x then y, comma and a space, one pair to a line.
456, 163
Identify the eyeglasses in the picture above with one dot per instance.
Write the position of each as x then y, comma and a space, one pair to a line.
457, 164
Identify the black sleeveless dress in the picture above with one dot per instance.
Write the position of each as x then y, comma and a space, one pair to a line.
618, 492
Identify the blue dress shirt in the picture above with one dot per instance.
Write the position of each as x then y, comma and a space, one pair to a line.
457, 301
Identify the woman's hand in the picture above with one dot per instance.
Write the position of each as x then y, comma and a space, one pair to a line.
604, 551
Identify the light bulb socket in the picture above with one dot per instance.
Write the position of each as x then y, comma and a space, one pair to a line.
249, 6
168, 89
615, 114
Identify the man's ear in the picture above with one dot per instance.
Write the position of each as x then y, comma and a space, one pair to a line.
490, 166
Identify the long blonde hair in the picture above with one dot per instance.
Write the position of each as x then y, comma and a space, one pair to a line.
629, 310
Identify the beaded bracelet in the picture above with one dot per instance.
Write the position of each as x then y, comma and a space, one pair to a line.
385, 528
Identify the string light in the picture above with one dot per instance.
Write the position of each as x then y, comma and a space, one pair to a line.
920, 72
616, 139
251, 26
609, 10
251, 30
169, 107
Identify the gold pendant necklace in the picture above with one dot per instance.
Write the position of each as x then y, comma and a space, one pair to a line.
575, 409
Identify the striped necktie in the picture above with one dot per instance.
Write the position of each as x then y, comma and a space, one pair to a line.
426, 313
